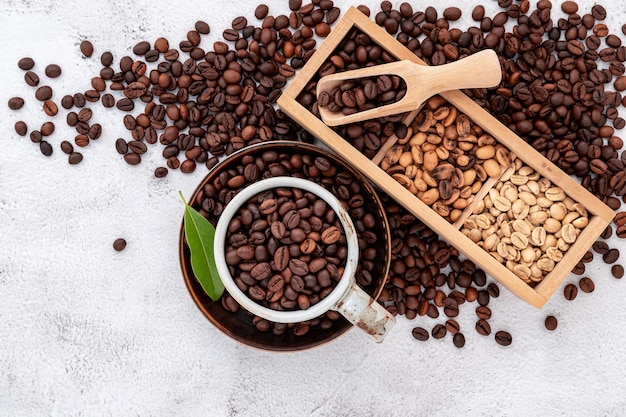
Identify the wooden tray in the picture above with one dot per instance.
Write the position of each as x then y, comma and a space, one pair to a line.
599, 214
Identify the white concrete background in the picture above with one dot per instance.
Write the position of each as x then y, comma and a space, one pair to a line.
87, 331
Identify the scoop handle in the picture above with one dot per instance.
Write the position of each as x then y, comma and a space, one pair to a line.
479, 70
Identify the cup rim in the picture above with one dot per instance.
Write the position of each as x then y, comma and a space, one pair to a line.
330, 301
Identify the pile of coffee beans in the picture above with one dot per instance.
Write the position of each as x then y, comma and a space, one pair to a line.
447, 160
428, 277
285, 236
353, 96
526, 223
286, 249
198, 104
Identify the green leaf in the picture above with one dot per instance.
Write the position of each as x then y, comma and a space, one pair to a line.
200, 233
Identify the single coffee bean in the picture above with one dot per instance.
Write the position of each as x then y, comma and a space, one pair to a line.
493, 290
586, 284
45, 148
483, 327
67, 147
26, 63
67, 102
36, 136
458, 340
160, 172
570, 291
452, 326
43, 93
551, 323
21, 128
503, 338
52, 71
75, 158
16, 103
483, 312
47, 128
439, 331
420, 334
50, 108
31, 78
86, 48
119, 244
617, 271
611, 256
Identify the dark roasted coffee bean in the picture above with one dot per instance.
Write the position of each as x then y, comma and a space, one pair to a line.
570, 291
439, 331
483, 327
16, 103
53, 71
86, 48
43, 93
551, 323
35, 136
67, 147
75, 158
45, 148
611, 256
617, 271
452, 326
483, 312
420, 334
503, 338
47, 128
119, 244
31, 78
459, 340
26, 63
21, 128
586, 285
50, 108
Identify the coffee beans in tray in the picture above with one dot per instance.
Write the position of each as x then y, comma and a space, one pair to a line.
430, 160
526, 223
286, 249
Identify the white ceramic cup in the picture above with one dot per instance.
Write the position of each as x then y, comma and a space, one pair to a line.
347, 297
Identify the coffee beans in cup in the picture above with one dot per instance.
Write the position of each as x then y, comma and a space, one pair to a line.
286, 249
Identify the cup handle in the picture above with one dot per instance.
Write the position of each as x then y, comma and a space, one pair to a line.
365, 313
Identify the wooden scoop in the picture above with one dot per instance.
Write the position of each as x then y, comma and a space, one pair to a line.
479, 70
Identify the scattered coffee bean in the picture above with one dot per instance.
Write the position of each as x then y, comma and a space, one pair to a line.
617, 271
67, 147
16, 103
75, 158
31, 78
570, 291
611, 256
503, 338
551, 323
483, 327
21, 128
86, 48
53, 71
439, 331
26, 63
43, 93
119, 244
420, 334
586, 285
459, 340
45, 148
